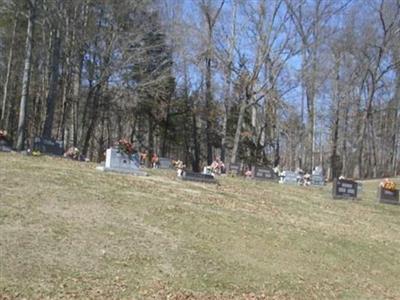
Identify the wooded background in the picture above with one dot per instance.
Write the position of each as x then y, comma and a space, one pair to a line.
275, 82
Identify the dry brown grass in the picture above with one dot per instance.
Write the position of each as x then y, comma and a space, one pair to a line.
69, 231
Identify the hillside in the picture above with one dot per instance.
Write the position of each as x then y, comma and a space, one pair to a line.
67, 230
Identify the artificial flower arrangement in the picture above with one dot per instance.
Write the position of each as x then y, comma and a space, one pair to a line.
125, 147
180, 166
3, 134
36, 153
73, 153
248, 173
388, 184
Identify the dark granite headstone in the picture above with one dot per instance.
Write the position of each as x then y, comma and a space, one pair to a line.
235, 169
264, 173
344, 189
388, 197
198, 177
165, 163
52, 147
5, 146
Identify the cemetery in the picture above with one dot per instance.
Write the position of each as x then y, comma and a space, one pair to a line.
200, 149
91, 213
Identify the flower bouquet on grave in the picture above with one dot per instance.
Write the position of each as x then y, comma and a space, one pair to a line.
36, 153
73, 153
125, 147
3, 135
388, 185
248, 174
180, 166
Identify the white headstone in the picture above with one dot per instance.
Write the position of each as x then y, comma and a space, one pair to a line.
165, 163
122, 163
290, 177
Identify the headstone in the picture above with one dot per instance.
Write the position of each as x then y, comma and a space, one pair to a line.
264, 173
317, 177
48, 146
165, 163
318, 171
5, 146
121, 163
359, 188
317, 180
388, 197
198, 177
207, 170
235, 169
344, 189
290, 177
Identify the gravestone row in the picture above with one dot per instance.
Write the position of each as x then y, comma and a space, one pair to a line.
122, 163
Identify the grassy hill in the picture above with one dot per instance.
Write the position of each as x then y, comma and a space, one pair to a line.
69, 231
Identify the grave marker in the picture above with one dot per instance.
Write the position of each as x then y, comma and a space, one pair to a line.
344, 189
290, 177
48, 146
359, 188
317, 180
264, 173
5, 146
121, 163
198, 177
165, 163
235, 169
388, 197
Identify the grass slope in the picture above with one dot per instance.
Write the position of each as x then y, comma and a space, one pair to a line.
67, 230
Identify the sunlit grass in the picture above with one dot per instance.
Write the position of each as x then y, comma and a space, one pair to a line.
67, 230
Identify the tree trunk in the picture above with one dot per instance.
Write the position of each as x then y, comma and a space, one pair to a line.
8, 74
93, 112
150, 140
224, 131
363, 129
335, 136
238, 132
165, 131
26, 77
207, 111
196, 160
396, 127
53, 86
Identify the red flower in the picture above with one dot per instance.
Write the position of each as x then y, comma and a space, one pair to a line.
124, 146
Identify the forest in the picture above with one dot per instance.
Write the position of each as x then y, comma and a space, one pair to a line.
289, 83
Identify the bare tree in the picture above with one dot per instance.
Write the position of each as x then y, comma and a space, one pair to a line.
26, 75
